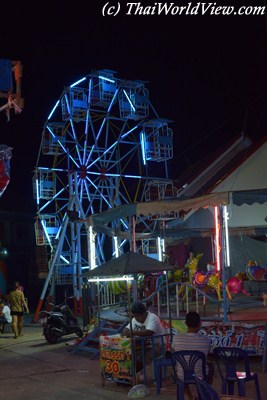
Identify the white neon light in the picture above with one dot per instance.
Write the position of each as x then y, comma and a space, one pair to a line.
161, 245
106, 79
217, 239
227, 247
52, 169
143, 147
112, 101
45, 231
130, 278
128, 98
116, 247
50, 201
53, 110
37, 191
128, 132
116, 175
64, 259
92, 247
77, 83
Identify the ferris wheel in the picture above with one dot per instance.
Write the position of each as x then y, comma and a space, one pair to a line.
103, 145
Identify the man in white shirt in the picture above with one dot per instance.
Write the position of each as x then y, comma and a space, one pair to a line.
144, 324
5, 316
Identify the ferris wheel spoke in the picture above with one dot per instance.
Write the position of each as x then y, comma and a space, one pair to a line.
76, 143
99, 192
81, 191
58, 140
52, 200
85, 143
90, 208
106, 118
101, 156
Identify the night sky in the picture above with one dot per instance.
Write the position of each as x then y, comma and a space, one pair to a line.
206, 73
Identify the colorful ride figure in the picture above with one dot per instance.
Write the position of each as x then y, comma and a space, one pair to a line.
210, 280
256, 272
189, 272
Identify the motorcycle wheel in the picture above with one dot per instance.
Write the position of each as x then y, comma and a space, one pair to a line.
79, 333
50, 337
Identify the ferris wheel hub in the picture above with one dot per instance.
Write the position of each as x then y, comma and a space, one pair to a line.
103, 174
83, 172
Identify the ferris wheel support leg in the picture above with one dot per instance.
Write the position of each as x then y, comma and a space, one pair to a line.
76, 240
51, 270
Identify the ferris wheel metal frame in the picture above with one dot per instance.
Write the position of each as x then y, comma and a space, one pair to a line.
103, 145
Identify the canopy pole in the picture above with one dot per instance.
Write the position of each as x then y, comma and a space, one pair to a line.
131, 334
132, 233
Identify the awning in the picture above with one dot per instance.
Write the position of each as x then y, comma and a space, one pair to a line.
128, 263
157, 207
249, 197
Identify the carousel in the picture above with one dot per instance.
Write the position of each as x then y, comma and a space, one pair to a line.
232, 305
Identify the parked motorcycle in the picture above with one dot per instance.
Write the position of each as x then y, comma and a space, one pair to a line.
59, 322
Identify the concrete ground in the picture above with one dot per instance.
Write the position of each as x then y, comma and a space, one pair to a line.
32, 369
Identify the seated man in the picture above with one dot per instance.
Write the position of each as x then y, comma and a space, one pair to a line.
192, 340
5, 316
144, 324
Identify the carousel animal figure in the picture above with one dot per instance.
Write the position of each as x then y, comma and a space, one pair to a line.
175, 275
188, 272
235, 285
210, 280
117, 287
256, 272
242, 276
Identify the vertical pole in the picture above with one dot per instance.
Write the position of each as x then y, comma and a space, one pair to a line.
131, 334
132, 235
223, 263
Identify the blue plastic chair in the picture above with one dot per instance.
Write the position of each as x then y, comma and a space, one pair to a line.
229, 360
205, 390
188, 359
159, 364
156, 356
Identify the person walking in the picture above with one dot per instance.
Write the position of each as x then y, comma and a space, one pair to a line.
17, 305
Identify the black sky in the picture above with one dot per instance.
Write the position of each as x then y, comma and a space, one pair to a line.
206, 73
